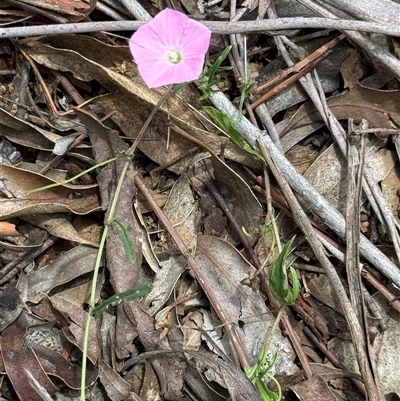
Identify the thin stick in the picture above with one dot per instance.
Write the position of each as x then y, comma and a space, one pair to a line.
220, 27
234, 338
302, 187
301, 219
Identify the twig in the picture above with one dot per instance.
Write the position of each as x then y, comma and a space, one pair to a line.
235, 340
136, 9
263, 276
355, 165
370, 277
332, 357
303, 223
302, 187
361, 40
371, 188
220, 27
110, 12
300, 69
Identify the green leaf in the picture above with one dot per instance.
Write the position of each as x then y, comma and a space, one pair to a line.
126, 240
177, 88
278, 281
210, 76
116, 299
265, 392
216, 66
259, 370
250, 371
295, 286
244, 93
225, 123
228, 126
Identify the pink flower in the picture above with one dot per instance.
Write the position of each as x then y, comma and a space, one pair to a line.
170, 49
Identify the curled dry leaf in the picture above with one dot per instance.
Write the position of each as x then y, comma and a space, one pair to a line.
181, 210
74, 11
25, 133
89, 59
224, 269
56, 224
78, 199
28, 365
74, 263
376, 106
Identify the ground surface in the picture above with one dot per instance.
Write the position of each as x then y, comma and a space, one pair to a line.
196, 207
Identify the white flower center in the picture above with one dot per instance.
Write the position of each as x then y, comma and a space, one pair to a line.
174, 56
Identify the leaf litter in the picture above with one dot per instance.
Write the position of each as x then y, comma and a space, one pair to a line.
73, 100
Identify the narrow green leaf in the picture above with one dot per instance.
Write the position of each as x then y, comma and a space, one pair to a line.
295, 286
126, 240
177, 88
225, 123
122, 297
265, 392
278, 281
244, 93
250, 371
215, 67
228, 126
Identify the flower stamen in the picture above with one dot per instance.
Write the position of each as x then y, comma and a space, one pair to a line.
174, 56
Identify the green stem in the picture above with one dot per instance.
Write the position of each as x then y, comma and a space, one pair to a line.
275, 325
91, 305
75, 177
110, 218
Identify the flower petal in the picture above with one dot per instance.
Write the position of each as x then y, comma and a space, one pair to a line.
171, 24
145, 42
196, 38
170, 31
195, 62
155, 74
182, 32
144, 54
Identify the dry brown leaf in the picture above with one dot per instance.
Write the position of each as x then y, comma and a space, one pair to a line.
75, 10
224, 269
56, 224
7, 228
181, 209
93, 60
328, 174
390, 189
25, 133
376, 106
70, 265
75, 332
79, 199
246, 208
150, 388
21, 363
191, 331
116, 387
30, 238
28, 364
314, 389
352, 69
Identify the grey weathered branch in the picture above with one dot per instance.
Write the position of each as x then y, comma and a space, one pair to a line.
219, 27
305, 190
